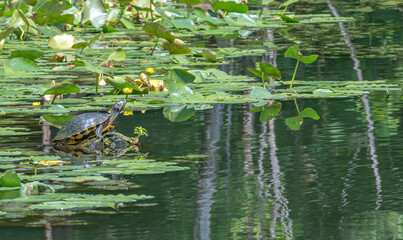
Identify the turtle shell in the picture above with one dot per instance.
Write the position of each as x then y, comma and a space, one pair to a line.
81, 127
85, 125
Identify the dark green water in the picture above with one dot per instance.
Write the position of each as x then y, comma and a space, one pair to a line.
340, 177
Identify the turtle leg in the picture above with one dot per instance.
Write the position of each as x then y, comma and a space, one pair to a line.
99, 132
99, 135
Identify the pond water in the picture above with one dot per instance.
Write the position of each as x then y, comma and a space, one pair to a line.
339, 177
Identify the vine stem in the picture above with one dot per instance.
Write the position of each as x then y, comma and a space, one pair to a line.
295, 73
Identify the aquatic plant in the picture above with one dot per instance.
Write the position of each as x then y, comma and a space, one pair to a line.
294, 52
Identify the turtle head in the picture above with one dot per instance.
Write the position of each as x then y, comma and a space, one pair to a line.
116, 110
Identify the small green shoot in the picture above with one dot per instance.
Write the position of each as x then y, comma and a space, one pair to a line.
294, 52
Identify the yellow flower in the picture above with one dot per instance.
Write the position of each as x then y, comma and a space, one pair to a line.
150, 71
52, 162
36, 104
127, 90
128, 113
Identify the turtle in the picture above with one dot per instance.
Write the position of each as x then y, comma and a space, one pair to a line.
88, 125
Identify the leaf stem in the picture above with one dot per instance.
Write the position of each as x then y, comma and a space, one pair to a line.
54, 98
263, 80
295, 73
97, 83
152, 51
284, 10
296, 105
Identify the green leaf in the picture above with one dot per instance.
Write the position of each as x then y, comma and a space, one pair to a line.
185, 23
309, 59
120, 83
80, 45
209, 55
49, 31
191, 2
256, 72
230, 7
92, 68
246, 20
259, 92
30, 54
178, 113
309, 112
127, 23
62, 41
287, 3
23, 64
109, 29
38, 5
23, 17
57, 120
294, 123
270, 70
256, 109
270, 112
177, 47
157, 30
199, 12
288, 19
95, 38
95, 12
10, 179
62, 88
118, 55
6, 33
293, 52
175, 81
179, 76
